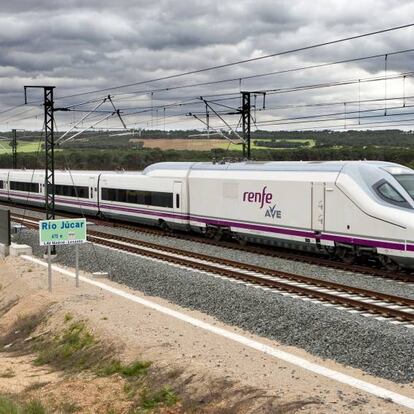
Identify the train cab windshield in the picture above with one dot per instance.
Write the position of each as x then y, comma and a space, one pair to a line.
407, 182
390, 194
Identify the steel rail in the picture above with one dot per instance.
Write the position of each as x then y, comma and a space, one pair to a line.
215, 265
271, 252
259, 269
167, 254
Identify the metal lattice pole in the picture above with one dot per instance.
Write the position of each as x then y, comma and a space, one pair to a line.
50, 153
246, 124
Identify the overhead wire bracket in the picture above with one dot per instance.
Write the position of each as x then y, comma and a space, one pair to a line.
81, 120
216, 131
83, 130
222, 119
116, 111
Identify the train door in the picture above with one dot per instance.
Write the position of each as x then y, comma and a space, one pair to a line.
98, 197
178, 202
92, 188
318, 206
7, 185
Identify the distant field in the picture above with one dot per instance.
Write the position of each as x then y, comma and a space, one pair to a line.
164, 144
32, 146
203, 144
186, 144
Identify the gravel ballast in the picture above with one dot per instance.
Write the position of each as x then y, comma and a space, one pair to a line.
387, 286
379, 348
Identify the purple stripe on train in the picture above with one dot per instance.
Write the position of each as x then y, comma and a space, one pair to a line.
364, 242
248, 226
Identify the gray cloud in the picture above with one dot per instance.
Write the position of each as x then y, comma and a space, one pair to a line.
81, 46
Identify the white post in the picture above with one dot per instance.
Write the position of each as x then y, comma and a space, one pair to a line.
77, 264
49, 268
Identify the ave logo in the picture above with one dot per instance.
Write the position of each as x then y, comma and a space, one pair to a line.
273, 212
263, 199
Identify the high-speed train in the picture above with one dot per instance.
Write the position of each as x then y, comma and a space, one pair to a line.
348, 209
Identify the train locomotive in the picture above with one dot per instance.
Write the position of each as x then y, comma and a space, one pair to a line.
348, 209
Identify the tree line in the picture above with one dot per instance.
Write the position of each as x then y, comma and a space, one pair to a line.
116, 159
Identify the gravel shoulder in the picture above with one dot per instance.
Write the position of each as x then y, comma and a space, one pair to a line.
378, 348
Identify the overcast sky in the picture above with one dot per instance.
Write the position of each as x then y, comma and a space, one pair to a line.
81, 46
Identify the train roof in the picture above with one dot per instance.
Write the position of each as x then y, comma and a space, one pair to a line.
182, 168
300, 166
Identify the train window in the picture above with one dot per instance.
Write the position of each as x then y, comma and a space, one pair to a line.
149, 198
109, 194
71, 191
388, 193
28, 187
177, 200
407, 182
162, 199
1, 184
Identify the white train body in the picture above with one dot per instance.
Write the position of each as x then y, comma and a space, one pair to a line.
355, 207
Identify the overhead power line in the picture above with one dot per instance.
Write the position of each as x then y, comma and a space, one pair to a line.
127, 96
18, 117
234, 96
335, 103
338, 118
279, 107
11, 109
299, 118
239, 62
333, 83
123, 96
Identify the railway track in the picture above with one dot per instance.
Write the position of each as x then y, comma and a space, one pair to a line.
388, 306
303, 257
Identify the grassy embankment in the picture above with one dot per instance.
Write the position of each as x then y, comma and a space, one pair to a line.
92, 378
75, 350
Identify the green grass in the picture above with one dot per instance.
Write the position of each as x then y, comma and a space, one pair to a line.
34, 407
68, 317
29, 146
75, 348
132, 370
165, 396
7, 406
23, 146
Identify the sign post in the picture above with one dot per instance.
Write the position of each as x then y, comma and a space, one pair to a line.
58, 232
77, 264
49, 268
